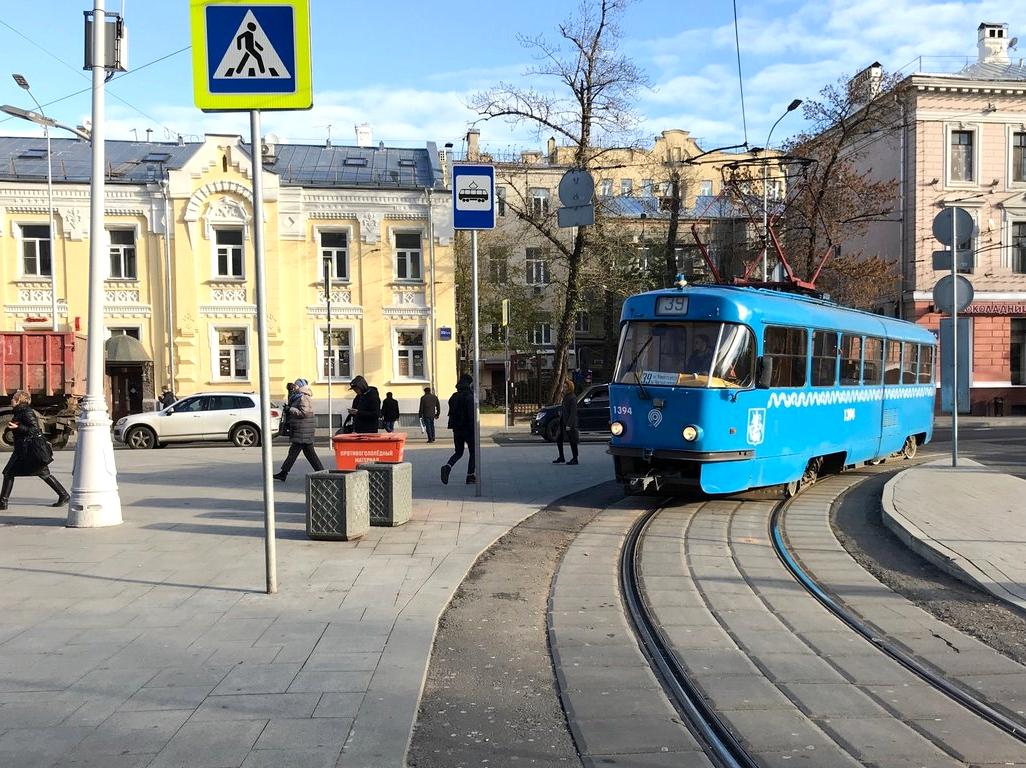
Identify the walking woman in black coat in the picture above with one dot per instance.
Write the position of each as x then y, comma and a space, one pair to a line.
30, 452
567, 424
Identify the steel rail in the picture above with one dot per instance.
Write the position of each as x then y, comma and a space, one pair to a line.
975, 705
720, 744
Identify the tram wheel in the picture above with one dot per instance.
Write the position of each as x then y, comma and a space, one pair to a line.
910, 448
808, 477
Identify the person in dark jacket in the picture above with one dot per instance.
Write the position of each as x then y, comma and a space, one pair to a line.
389, 412
430, 409
366, 408
167, 397
567, 424
283, 425
461, 422
25, 460
302, 428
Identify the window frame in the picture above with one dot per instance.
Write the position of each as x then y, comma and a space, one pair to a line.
1011, 132
932, 363
407, 252
626, 187
541, 202
1013, 222
111, 247
322, 350
974, 130
335, 252
843, 358
585, 326
536, 256
909, 376
500, 200
806, 341
215, 353
545, 331
398, 349
23, 241
215, 255
813, 358
889, 359
705, 188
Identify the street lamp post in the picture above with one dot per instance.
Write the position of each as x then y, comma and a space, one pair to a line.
94, 494
765, 191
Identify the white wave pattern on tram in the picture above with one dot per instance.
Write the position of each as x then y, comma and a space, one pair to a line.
807, 399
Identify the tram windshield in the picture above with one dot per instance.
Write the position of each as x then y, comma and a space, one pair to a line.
686, 354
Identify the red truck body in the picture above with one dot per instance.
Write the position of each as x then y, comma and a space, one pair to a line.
43, 363
51, 366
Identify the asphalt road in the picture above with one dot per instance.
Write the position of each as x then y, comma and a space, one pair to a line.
1001, 448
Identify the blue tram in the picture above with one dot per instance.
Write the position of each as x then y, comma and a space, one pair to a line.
728, 388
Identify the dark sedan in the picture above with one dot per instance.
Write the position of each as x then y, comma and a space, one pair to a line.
592, 414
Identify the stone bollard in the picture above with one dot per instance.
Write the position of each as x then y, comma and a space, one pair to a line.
391, 492
337, 505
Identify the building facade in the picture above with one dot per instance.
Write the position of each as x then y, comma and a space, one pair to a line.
178, 234
960, 140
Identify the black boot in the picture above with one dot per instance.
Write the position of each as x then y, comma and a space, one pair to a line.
5, 493
62, 495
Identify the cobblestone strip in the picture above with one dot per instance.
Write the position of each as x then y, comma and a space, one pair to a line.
987, 674
617, 710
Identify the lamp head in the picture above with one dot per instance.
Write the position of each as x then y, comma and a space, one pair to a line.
794, 105
21, 81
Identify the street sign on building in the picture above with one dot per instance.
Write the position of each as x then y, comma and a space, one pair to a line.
473, 197
251, 54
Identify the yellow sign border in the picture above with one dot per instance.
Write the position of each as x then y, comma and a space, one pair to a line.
301, 98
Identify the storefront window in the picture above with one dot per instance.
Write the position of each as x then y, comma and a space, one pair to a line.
1018, 350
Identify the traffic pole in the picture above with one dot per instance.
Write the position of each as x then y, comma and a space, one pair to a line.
954, 337
270, 557
477, 362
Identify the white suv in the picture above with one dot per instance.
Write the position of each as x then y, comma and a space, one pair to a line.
204, 416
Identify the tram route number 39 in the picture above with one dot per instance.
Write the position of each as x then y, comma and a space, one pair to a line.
623, 410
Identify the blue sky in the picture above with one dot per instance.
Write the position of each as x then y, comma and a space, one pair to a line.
407, 67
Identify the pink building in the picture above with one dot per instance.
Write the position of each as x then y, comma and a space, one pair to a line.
960, 140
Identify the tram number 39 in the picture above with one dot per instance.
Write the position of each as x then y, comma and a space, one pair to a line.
849, 414
623, 410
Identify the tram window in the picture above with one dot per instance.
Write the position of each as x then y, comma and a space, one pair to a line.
851, 360
872, 362
908, 362
824, 358
892, 363
735, 361
787, 348
925, 364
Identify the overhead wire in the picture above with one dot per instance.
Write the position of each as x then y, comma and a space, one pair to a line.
89, 88
740, 79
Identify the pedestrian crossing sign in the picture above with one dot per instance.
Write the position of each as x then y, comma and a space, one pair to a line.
251, 54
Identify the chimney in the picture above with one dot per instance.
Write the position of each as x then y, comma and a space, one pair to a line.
550, 148
992, 43
473, 144
364, 135
865, 85
149, 132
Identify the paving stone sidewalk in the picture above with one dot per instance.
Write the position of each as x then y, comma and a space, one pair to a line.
153, 644
968, 520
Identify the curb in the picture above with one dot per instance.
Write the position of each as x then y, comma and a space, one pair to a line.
933, 551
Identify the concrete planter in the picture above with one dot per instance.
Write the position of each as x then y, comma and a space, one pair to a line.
337, 506
390, 492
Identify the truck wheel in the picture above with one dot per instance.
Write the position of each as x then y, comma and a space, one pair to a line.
245, 436
551, 431
6, 435
140, 438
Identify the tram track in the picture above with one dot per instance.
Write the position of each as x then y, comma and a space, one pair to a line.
724, 744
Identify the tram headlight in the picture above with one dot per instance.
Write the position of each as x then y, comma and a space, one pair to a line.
616, 428
690, 433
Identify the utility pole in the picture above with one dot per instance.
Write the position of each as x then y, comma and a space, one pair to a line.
94, 493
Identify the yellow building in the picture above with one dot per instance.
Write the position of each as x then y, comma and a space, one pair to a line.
380, 216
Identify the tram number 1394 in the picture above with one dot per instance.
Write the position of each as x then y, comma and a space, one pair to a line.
623, 410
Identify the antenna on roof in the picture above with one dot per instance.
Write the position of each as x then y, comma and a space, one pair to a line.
327, 143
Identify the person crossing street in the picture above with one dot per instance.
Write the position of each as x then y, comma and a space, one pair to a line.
461, 422
430, 409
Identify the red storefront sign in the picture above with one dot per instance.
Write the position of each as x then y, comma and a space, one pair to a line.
995, 308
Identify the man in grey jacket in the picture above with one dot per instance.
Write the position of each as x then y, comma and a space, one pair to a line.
302, 427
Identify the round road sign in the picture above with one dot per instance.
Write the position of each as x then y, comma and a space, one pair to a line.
950, 291
942, 225
576, 188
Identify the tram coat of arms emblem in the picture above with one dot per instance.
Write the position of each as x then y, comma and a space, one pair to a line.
756, 425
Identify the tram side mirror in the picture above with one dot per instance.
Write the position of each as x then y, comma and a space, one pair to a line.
765, 377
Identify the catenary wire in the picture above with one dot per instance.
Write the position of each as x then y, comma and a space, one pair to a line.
740, 79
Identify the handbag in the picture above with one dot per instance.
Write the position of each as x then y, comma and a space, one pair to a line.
347, 425
40, 449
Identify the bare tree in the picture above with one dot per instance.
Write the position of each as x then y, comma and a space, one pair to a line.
590, 107
837, 193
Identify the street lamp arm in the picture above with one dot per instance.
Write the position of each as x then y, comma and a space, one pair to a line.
40, 119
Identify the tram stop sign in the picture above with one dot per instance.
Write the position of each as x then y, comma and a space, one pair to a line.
952, 291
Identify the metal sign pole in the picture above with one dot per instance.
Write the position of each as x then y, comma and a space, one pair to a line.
331, 357
477, 362
265, 376
954, 338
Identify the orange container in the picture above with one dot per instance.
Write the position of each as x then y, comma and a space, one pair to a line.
353, 450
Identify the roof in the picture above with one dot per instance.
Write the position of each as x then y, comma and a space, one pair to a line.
129, 162
705, 207
138, 162
317, 165
993, 71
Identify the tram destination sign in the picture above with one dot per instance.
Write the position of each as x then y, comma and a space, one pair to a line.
671, 305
